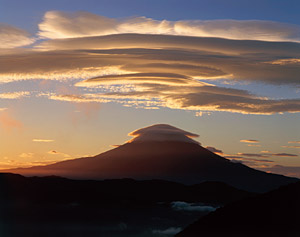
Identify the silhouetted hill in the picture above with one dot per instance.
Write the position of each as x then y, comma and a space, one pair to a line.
183, 162
276, 213
54, 206
16, 188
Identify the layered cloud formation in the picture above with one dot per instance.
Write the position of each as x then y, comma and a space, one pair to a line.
57, 25
145, 63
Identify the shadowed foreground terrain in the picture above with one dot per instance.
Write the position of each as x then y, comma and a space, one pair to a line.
275, 214
54, 206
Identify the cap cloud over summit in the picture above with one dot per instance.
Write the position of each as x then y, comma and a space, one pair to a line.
162, 132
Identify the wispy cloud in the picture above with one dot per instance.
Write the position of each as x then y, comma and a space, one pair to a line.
253, 154
14, 95
26, 155
249, 141
207, 98
291, 146
42, 140
264, 154
294, 142
11, 37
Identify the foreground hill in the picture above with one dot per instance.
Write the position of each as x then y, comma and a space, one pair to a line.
162, 152
54, 206
276, 213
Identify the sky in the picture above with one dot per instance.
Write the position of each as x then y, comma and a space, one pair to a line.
76, 77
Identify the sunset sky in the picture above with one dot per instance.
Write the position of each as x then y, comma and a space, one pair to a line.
77, 76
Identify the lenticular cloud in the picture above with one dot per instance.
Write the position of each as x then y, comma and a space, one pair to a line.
162, 132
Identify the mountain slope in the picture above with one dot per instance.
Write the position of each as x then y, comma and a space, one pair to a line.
178, 161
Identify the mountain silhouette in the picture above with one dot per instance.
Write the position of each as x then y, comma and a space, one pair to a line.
274, 214
162, 152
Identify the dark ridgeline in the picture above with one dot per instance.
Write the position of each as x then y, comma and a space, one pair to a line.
177, 161
274, 214
52, 206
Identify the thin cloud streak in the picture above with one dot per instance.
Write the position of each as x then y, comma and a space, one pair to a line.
294, 142
42, 140
249, 141
14, 95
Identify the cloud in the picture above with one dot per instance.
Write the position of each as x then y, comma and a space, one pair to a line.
284, 155
254, 163
26, 155
184, 206
202, 113
14, 95
240, 29
11, 37
265, 151
253, 155
199, 98
291, 146
8, 122
53, 152
168, 231
140, 78
29, 162
162, 68
42, 140
214, 150
162, 132
215, 57
58, 24
237, 157
266, 154
294, 142
257, 163
249, 141
293, 171
194, 57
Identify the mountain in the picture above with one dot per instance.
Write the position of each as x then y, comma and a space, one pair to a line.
162, 152
55, 206
271, 214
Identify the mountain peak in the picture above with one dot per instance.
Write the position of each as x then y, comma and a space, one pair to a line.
162, 132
